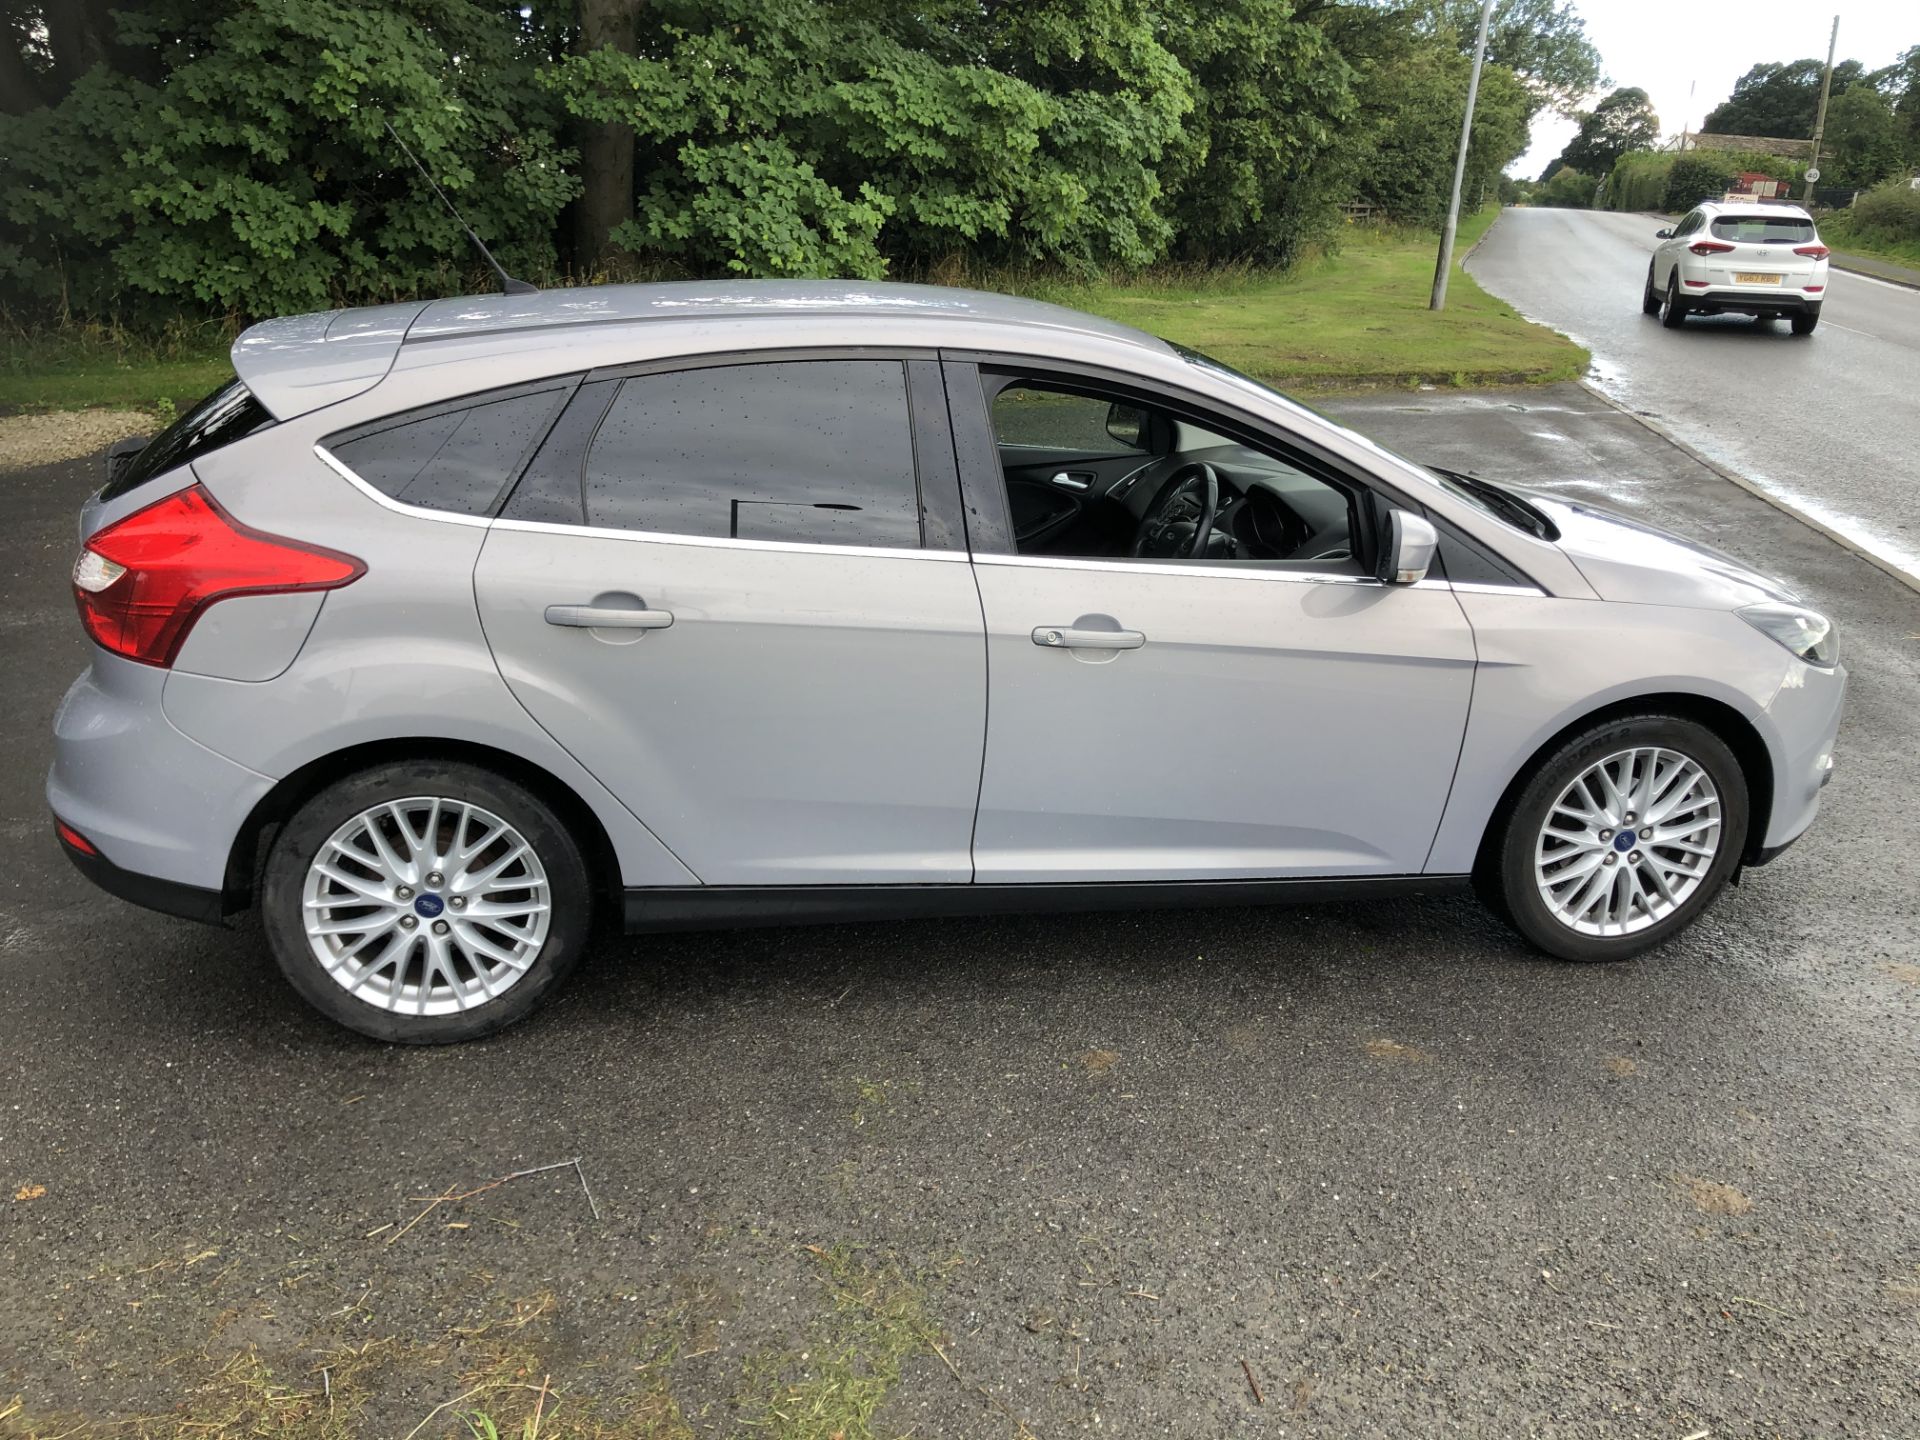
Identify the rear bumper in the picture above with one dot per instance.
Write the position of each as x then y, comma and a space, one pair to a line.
169, 897
1751, 302
160, 809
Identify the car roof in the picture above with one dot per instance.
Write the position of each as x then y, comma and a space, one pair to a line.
299, 362
1795, 212
760, 299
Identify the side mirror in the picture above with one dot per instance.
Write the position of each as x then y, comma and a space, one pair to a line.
1663, 234
1406, 548
1128, 425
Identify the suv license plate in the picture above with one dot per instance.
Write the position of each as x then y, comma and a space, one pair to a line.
1742, 277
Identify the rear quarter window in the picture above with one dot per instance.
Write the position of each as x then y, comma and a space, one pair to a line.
227, 415
458, 458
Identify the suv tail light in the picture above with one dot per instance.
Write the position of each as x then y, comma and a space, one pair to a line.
140, 584
1710, 247
1818, 252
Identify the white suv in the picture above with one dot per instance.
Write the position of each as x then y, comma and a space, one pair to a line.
1759, 260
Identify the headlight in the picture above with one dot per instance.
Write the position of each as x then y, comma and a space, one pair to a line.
1807, 633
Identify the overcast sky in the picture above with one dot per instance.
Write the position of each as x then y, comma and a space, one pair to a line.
1663, 47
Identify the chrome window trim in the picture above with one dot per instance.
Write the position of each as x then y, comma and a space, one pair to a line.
1041, 562
418, 512
721, 542
599, 532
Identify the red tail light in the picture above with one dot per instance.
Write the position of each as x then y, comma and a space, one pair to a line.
1818, 252
1710, 247
141, 583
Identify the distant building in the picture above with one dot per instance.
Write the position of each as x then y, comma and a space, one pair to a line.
1745, 145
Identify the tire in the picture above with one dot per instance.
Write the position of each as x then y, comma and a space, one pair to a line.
1673, 309
426, 948
1649, 297
1804, 322
1537, 840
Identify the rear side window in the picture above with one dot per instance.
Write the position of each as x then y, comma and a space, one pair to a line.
1763, 229
456, 458
222, 418
810, 451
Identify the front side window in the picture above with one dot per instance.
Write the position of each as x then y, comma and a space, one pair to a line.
222, 418
808, 451
456, 459
1094, 475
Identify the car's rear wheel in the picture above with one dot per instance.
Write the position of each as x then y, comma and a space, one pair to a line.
1649, 297
1804, 322
426, 902
1619, 838
1673, 307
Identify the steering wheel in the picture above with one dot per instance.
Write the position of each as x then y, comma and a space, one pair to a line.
1179, 521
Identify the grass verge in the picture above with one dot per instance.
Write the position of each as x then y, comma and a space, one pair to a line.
1839, 231
1352, 320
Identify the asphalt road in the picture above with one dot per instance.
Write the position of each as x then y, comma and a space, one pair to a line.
1420, 1181
1830, 422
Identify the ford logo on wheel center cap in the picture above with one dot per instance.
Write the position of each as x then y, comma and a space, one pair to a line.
1622, 842
429, 905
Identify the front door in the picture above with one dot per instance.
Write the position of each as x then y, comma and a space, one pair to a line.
712, 587
1264, 708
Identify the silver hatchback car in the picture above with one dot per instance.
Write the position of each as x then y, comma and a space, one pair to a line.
447, 630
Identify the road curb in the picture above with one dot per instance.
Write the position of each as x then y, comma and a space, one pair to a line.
1786, 507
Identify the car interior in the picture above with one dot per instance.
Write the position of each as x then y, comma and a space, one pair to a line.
1101, 477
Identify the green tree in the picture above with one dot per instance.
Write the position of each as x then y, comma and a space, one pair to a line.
1255, 171
1623, 121
243, 162
1544, 42
1778, 100
1862, 142
1567, 189
1899, 83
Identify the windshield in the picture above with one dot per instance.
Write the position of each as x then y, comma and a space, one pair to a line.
223, 417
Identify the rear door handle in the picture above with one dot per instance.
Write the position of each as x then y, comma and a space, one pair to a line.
1070, 480
600, 617
1065, 637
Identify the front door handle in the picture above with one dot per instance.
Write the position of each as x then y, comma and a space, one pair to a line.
602, 617
1071, 480
1066, 637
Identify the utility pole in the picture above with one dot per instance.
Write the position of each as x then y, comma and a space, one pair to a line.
1439, 300
1820, 120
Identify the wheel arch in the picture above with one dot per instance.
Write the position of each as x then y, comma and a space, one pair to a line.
248, 854
1749, 751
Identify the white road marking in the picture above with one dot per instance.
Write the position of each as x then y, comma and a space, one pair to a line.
1836, 325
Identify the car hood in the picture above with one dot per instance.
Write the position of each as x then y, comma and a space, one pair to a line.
1626, 559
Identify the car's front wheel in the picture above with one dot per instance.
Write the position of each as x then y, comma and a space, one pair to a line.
426, 902
1619, 838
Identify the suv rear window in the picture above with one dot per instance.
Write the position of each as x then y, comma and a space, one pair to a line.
1763, 229
222, 418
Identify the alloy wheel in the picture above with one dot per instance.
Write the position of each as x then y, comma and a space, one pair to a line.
1628, 842
426, 906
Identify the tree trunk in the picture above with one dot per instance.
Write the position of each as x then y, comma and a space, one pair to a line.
606, 148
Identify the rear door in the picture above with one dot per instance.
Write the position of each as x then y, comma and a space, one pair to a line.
738, 594
1762, 251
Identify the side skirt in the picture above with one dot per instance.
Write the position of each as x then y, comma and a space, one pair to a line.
726, 907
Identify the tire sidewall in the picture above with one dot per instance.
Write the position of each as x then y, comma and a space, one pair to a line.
300, 840
1519, 890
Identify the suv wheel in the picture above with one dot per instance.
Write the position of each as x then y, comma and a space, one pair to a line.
1620, 838
1673, 309
1804, 322
1649, 297
426, 902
